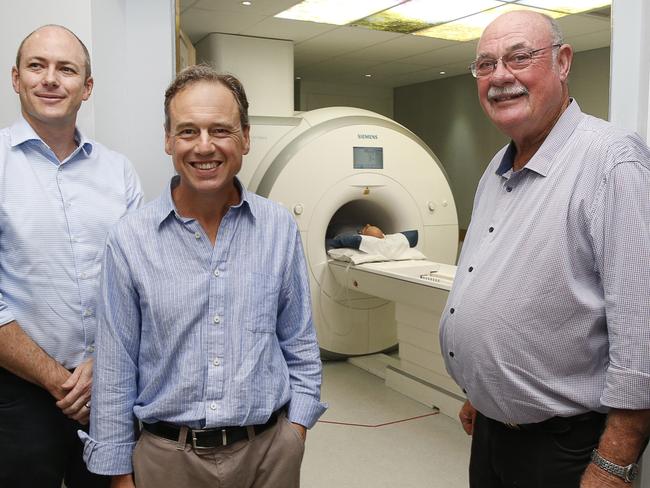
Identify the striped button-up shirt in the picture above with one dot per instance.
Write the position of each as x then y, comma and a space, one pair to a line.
54, 217
550, 311
201, 335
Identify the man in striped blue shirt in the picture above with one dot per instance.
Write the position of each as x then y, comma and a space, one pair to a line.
547, 326
59, 194
205, 332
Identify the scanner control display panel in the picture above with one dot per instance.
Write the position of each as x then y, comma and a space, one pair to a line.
368, 158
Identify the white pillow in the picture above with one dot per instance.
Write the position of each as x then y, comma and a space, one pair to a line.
359, 257
392, 246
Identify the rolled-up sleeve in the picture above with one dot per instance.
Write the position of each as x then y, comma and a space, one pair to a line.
621, 239
109, 446
297, 336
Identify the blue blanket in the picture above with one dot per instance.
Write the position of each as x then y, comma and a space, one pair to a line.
353, 241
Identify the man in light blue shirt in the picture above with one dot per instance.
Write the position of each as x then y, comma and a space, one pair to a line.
205, 330
59, 194
547, 326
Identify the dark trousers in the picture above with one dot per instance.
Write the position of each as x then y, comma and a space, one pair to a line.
551, 454
39, 446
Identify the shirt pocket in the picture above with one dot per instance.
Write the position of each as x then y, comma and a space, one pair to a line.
260, 302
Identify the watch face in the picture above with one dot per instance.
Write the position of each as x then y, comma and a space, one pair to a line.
632, 472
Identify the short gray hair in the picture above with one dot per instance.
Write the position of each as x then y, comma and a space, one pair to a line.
556, 34
556, 31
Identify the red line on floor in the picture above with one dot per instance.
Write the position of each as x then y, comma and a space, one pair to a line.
377, 425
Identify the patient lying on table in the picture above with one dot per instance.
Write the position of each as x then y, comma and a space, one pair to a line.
369, 243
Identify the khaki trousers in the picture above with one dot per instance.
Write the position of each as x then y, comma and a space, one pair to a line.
271, 459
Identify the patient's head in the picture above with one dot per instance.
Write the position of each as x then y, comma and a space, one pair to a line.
371, 230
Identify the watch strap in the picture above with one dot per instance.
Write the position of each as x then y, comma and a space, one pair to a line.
626, 473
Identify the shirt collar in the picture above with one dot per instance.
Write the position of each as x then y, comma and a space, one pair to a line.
21, 132
507, 160
543, 160
165, 207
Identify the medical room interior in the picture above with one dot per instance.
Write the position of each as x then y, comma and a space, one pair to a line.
361, 113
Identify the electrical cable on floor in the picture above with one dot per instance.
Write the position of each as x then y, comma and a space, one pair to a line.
379, 425
343, 296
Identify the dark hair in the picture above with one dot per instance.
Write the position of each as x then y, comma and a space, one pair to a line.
203, 72
83, 47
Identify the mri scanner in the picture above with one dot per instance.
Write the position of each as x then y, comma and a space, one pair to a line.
345, 165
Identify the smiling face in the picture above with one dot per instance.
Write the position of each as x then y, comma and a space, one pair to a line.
51, 79
524, 104
205, 140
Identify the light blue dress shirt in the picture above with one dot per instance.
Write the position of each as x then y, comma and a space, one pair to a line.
198, 335
54, 217
549, 313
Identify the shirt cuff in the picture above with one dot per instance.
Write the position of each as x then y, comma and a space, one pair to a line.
305, 409
107, 459
626, 389
6, 317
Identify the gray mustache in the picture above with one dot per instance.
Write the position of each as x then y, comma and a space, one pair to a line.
506, 91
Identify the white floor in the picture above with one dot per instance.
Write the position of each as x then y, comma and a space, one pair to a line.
430, 451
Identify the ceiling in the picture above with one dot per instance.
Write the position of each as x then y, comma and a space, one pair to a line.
345, 54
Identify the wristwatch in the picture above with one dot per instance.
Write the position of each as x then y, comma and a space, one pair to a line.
626, 473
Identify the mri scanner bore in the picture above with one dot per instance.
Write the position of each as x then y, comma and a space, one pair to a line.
341, 165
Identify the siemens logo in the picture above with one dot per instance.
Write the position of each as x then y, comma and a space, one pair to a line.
367, 136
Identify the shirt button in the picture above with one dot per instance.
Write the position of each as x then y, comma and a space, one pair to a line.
216, 362
91, 348
213, 406
470, 269
491, 229
87, 312
84, 276
217, 319
508, 189
452, 310
197, 235
451, 353
216, 273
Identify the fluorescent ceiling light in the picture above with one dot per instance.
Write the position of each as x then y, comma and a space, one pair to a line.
567, 6
457, 20
416, 15
471, 27
338, 12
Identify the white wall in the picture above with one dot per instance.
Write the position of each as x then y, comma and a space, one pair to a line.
315, 94
133, 48
264, 66
630, 65
131, 43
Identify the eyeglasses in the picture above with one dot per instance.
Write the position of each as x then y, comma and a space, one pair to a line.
514, 61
